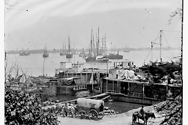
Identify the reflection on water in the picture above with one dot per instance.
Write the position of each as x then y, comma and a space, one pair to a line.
121, 107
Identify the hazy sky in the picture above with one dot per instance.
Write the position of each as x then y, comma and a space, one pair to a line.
34, 24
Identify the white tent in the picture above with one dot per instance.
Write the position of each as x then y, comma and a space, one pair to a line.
89, 103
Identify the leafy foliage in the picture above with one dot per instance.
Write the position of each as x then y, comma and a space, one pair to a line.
26, 109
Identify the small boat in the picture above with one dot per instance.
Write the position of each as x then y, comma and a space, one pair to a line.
69, 54
23, 53
63, 52
45, 54
126, 51
82, 54
102, 59
115, 56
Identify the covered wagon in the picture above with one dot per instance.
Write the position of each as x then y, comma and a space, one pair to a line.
91, 108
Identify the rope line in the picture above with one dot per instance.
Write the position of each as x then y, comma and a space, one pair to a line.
147, 56
168, 44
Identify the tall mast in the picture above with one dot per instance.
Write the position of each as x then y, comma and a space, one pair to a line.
69, 45
105, 50
91, 50
98, 43
102, 45
94, 51
160, 44
63, 47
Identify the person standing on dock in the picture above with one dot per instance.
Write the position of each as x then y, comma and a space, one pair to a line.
142, 111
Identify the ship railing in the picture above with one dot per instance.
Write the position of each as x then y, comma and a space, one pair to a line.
136, 94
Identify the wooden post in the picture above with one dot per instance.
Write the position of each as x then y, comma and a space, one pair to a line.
81, 76
113, 86
167, 91
106, 85
143, 89
86, 77
117, 91
119, 88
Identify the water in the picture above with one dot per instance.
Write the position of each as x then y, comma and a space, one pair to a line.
33, 64
119, 107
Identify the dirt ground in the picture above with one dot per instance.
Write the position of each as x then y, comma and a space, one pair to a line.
118, 119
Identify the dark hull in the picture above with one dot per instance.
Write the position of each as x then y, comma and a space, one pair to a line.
24, 54
45, 55
68, 56
115, 56
62, 54
82, 55
126, 50
93, 59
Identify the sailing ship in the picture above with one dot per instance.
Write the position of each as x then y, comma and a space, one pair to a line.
82, 54
69, 53
126, 49
95, 55
45, 54
24, 53
160, 69
115, 56
63, 52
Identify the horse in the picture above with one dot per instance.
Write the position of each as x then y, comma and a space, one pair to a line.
145, 117
69, 110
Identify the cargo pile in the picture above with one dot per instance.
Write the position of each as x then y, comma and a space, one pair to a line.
171, 110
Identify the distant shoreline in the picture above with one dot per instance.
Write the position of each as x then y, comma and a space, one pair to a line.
80, 50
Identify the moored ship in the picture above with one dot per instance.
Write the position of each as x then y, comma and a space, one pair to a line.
24, 53
115, 56
69, 54
63, 52
101, 59
45, 54
95, 54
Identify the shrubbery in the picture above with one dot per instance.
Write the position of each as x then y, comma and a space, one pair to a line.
26, 109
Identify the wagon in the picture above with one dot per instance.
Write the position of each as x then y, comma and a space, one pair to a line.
90, 108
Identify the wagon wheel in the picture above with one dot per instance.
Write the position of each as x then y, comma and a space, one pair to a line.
93, 114
82, 114
100, 115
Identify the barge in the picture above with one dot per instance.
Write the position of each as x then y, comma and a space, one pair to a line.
138, 92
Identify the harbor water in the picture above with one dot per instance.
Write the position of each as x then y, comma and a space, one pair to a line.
35, 63
119, 107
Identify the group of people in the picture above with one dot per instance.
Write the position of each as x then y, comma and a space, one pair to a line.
65, 110
23, 108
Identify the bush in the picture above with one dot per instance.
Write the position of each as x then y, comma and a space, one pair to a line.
26, 109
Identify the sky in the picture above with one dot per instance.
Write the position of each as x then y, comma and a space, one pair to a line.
34, 24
